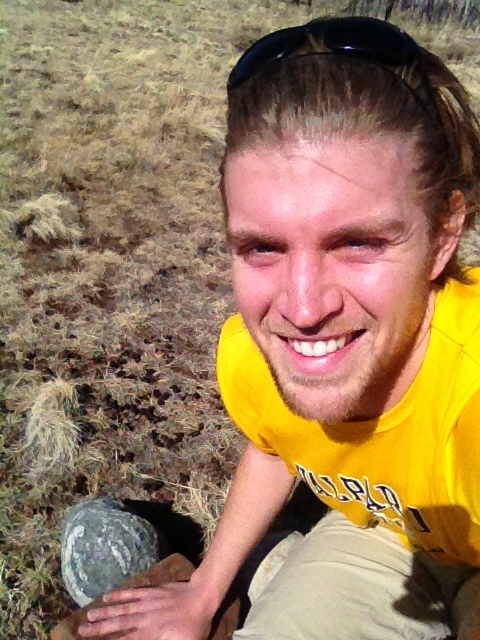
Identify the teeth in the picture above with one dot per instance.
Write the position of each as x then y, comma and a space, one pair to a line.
331, 346
319, 348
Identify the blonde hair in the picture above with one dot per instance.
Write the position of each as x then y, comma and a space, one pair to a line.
319, 95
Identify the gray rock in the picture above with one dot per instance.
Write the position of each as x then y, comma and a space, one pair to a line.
102, 545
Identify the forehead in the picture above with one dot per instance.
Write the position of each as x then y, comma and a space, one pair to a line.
349, 177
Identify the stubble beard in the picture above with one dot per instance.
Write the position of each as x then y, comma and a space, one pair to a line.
326, 400
344, 396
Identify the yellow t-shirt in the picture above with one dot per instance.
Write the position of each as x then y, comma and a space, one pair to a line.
416, 469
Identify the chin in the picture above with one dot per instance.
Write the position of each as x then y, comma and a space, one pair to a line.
326, 406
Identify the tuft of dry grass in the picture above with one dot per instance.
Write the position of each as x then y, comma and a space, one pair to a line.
114, 272
49, 217
51, 436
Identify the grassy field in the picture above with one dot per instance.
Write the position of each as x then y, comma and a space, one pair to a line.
114, 274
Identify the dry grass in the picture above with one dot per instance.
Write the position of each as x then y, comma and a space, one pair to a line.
51, 436
114, 271
464, 12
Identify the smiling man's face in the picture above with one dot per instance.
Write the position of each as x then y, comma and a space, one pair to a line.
332, 267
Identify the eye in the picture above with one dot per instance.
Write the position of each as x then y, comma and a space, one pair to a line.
259, 253
262, 248
360, 248
374, 244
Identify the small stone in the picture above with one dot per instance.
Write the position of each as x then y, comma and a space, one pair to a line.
103, 544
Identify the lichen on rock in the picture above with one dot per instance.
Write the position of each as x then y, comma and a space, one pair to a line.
103, 544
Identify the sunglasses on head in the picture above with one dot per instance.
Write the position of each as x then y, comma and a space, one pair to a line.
370, 39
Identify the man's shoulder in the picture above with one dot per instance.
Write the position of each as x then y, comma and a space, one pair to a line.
457, 313
238, 357
244, 379
234, 327
235, 339
450, 373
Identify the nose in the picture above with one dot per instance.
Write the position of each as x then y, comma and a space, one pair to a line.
310, 293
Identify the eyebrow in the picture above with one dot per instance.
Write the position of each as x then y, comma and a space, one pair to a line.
388, 227
242, 236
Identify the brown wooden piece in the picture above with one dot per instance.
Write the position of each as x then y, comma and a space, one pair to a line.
175, 568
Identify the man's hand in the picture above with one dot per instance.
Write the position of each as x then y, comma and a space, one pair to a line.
173, 612
184, 610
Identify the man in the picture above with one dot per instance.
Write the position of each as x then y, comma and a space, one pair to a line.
352, 166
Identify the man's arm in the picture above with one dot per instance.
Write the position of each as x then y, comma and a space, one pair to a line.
183, 611
261, 486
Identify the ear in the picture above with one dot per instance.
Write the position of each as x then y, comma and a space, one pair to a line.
449, 236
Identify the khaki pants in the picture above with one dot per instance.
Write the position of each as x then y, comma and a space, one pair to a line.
341, 582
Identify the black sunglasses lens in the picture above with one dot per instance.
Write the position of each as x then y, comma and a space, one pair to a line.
267, 49
372, 38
